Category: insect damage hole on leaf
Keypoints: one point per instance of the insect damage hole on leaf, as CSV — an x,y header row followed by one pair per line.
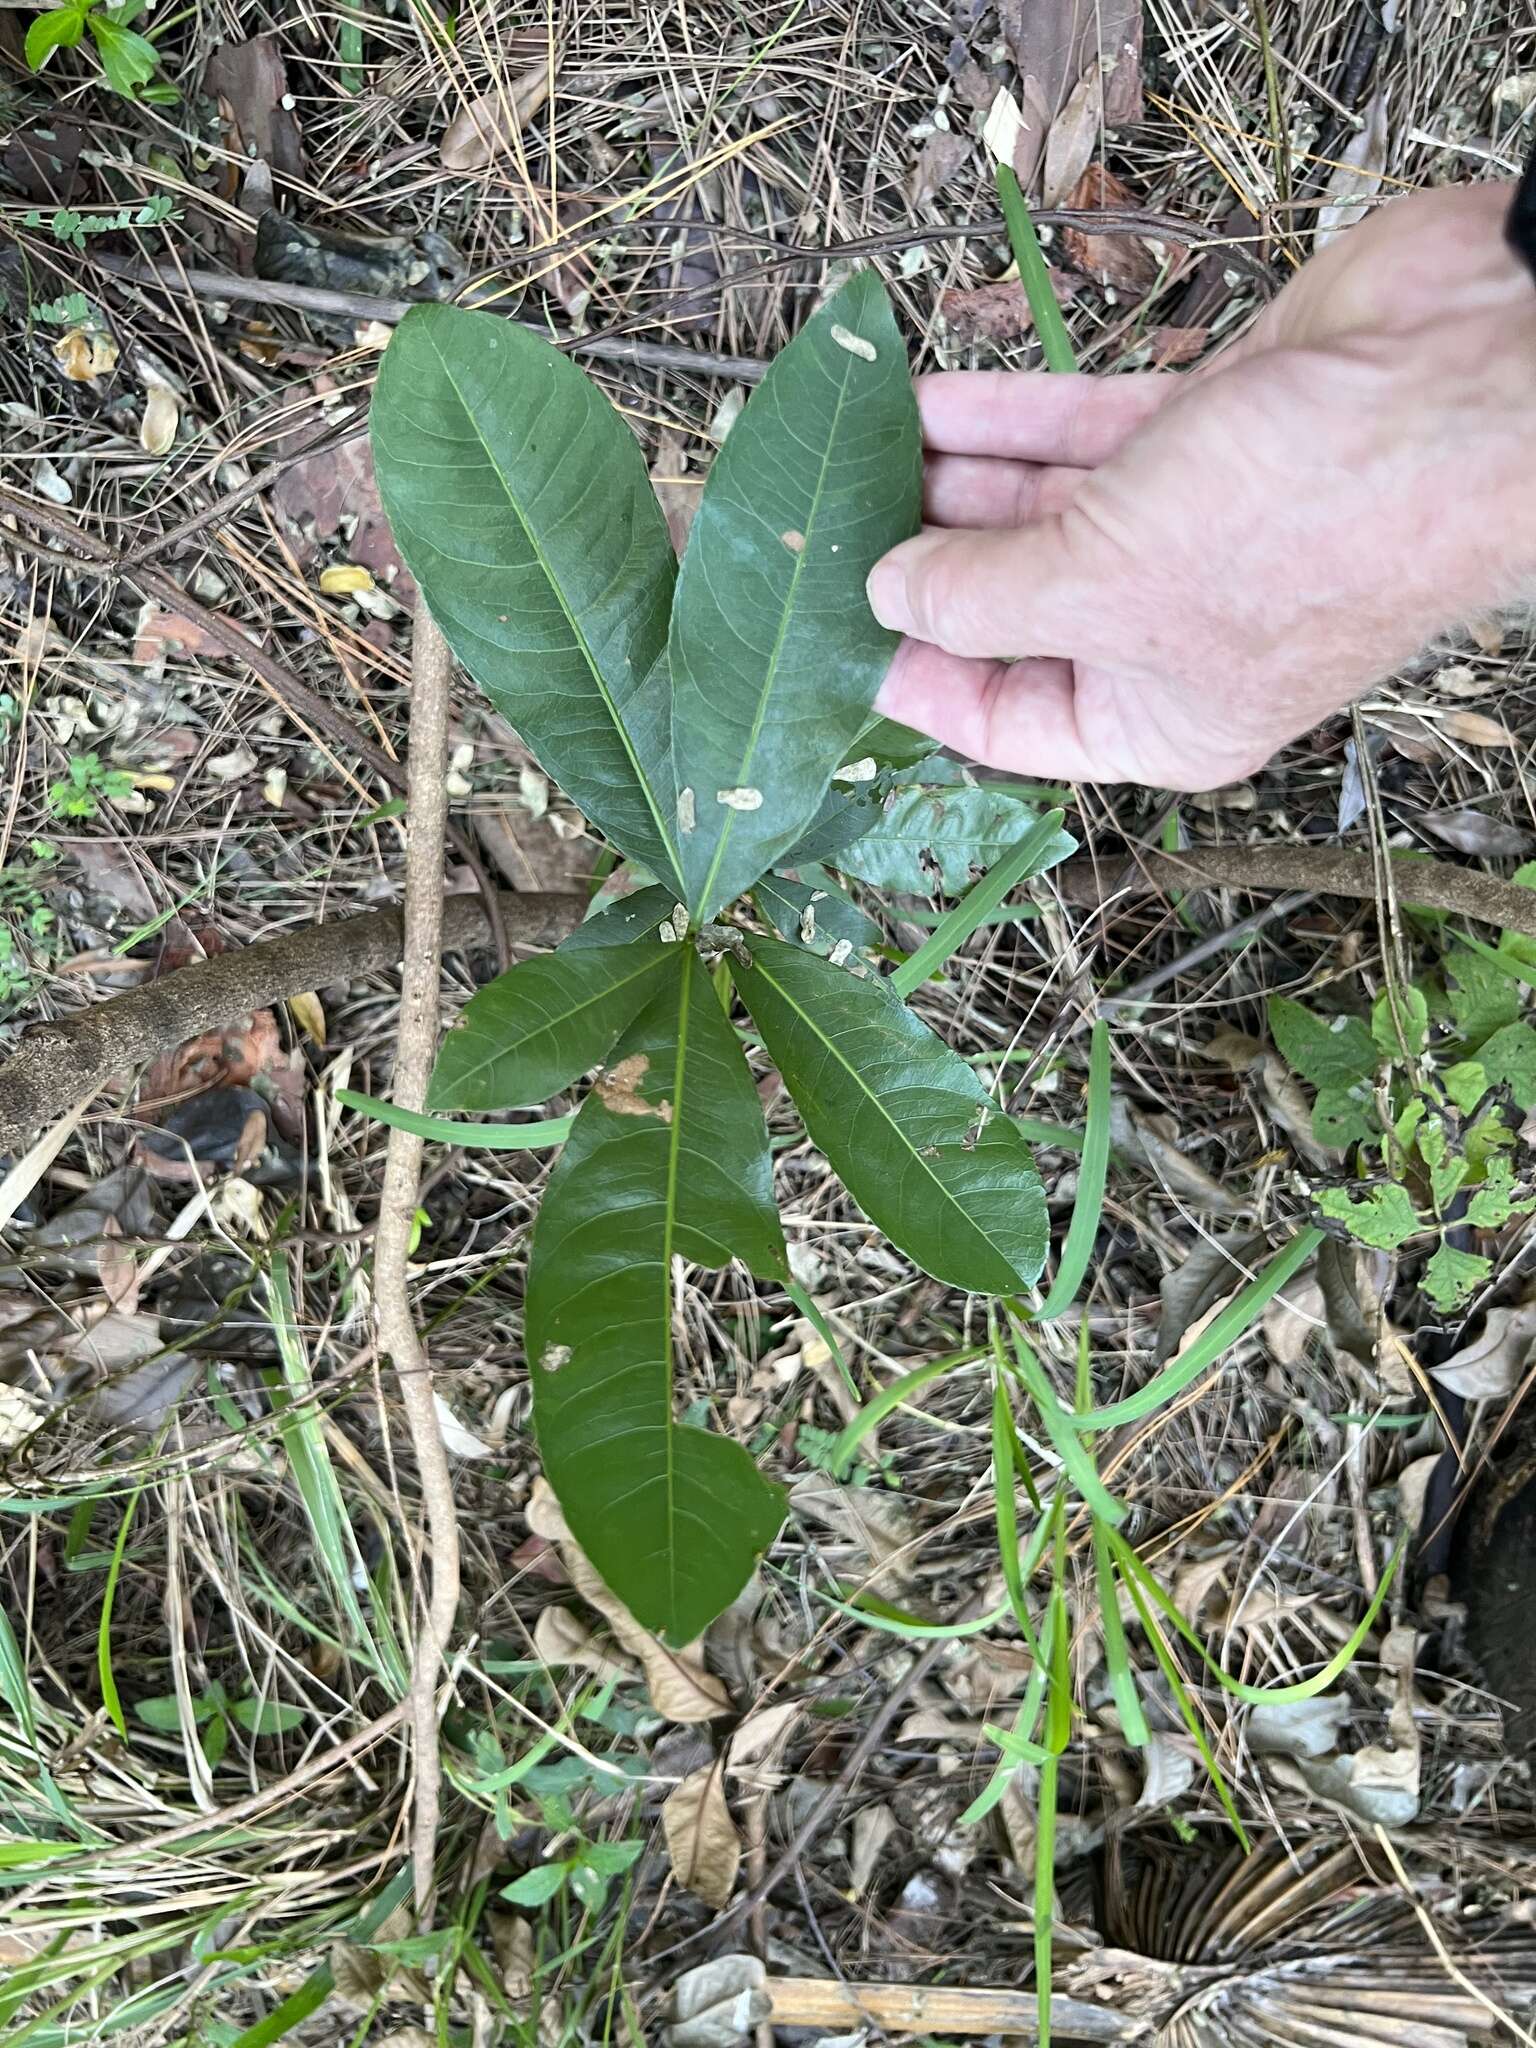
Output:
x,y
855,344
619,1088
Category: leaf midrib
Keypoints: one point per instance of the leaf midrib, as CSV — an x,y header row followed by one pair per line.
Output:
x,y
570,618
771,674
910,1149
674,1154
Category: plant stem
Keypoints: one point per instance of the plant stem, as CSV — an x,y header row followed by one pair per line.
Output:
x,y
1034,274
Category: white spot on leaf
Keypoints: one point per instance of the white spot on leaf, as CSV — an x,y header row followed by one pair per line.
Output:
x,y
553,1356
685,811
794,540
740,799
858,771
619,1089
855,344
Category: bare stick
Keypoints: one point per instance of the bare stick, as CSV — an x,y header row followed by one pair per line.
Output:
x,y
57,1063
415,1050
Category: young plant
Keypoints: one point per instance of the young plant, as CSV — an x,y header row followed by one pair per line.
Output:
x,y
700,716
213,1711
129,61
87,781
1427,1098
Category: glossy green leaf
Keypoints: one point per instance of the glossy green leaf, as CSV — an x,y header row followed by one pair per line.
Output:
x,y
844,815
521,504
934,841
890,744
630,917
543,1024
776,656
814,911
668,1159
905,1123
1383,1216
59,29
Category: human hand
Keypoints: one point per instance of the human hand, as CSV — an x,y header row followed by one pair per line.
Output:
x,y
1191,571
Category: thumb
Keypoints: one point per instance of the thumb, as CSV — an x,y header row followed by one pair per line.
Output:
x,y
1010,592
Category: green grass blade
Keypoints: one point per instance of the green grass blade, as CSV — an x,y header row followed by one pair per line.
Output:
x,y
109,1693
874,1412
1186,1707
1091,1175
891,1621
1034,273
1063,1431
824,1330
1041,847
1262,1695
1239,1316
1122,1680
552,1130
1045,1891
1004,1481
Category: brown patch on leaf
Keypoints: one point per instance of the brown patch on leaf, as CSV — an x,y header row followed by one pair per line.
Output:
x,y
619,1089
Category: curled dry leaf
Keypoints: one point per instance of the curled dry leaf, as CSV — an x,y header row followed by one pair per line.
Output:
x,y
718,2004
1296,1315
680,1688
998,312
1473,831
1125,261
937,162
1151,1140
84,354
762,1734
873,1827
701,1837
1170,1771
162,416
488,127
1074,135
561,1637
1495,1361
877,1524
1475,729
1357,179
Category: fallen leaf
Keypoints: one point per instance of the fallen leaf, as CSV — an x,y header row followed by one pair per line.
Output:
x,y
680,1688
876,1523
676,493
249,82
937,162
1494,1362
762,1733
1169,1773
1151,1140
1298,1728
1413,1484
488,127
718,2004
1214,1269
458,1441
20,1414
561,1639
1357,177
998,312
308,1013
162,416
1475,729
701,1837
1291,1107
1073,135
1459,679
343,578
1473,831
1196,1580
84,354
1125,261
1053,43
316,492
1005,130
516,1955
1294,1317
1172,346
872,1828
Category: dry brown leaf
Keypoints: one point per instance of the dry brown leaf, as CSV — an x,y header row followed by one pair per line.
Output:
x,y
308,1012
1291,1107
680,1688
250,84
1053,43
162,416
1473,831
488,127
1460,679
1296,1315
1357,178
84,354
512,1939
1152,1140
763,1733
876,1523
1494,1363
998,312
718,2004
873,1827
1475,729
1074,135
676,492
1196,1580
560,1638
937,162
1171,347
1170,1771
701,1837
1234,1050
1125,261
1413,1489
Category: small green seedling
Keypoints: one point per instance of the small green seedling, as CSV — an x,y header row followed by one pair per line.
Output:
x,y
213,1711
87,782
1426,1099
713,720
129,61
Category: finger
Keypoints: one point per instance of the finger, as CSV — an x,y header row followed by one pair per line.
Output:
x,y
1018,592
1018,715
1039,416
972,490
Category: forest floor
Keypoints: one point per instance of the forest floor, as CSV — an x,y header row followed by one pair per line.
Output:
x,y
211,1537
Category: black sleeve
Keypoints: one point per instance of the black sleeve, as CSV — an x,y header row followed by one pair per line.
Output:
x,y
1521,226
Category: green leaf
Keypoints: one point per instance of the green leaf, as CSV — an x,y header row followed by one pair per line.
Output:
x,y
776,656
668,1158
1399,1016
1384,1216
1508,1058
543,1024
1482,998
538,1886
1344,1116
59,29
441,1130
1466,1083
214,1741
162,1714
845,814
1498,1200
266,1717
814,911
890,744
128,59
612,1859
1330,1052
1451,1276
909,1129
930,841
521,504
630,917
